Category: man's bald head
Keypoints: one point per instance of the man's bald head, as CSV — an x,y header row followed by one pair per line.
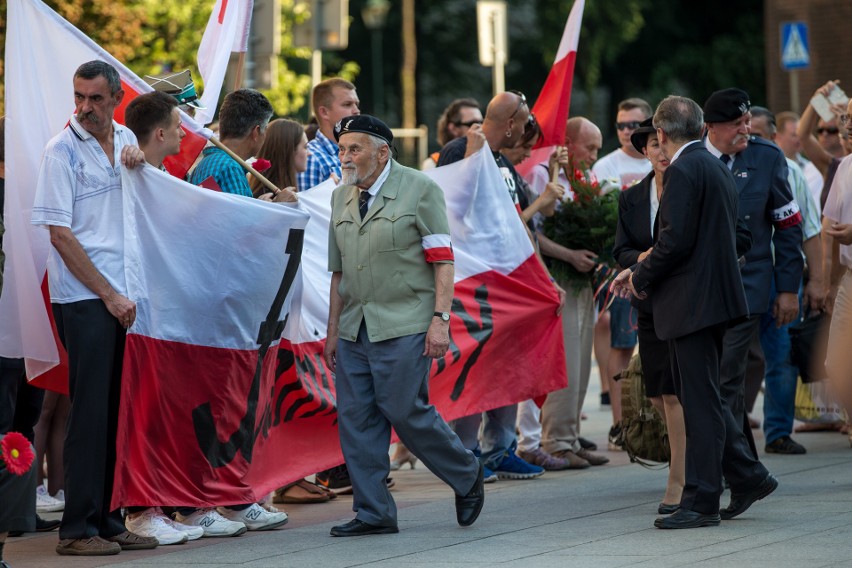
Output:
x,y
583,140
505,118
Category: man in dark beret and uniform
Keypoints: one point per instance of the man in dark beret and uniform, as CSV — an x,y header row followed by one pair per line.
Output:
x,y
768,209
391,261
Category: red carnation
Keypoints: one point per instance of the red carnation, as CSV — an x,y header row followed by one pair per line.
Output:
x,y
16,451
261,165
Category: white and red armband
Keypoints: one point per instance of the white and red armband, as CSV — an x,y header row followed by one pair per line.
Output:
x,y
786,216
437,248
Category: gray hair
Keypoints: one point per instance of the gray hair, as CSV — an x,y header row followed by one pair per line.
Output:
x,y
680,118
241,111
759,111
97,68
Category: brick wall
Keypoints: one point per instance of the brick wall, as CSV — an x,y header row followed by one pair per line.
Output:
x,y
830,44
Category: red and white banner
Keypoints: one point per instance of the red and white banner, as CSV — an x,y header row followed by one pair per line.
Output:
x,y
227,32
212,276
39,102
506,346
554,101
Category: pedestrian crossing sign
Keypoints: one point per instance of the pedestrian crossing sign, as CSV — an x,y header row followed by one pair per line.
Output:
x,y
794,46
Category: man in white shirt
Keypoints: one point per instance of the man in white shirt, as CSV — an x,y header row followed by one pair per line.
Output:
x,y
788,140
79,199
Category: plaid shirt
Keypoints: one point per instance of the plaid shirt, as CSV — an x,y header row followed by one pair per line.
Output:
x,y
322,162
227,172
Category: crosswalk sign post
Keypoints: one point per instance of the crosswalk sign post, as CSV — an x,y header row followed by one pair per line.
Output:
x,y
795,55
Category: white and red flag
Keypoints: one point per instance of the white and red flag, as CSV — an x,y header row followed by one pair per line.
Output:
x,y
554,101
227,32
212,276
39,102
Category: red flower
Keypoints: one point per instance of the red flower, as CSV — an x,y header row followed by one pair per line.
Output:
x,y
17,453
261,165
578,175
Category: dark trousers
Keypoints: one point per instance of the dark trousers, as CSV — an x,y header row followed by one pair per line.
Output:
x,y
94,340
20,403
741,466
695,365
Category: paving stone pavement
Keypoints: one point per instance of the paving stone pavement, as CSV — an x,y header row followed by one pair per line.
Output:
x,y
601,517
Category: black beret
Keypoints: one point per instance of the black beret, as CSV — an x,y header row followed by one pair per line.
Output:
x,y
725,105
639,138
366,124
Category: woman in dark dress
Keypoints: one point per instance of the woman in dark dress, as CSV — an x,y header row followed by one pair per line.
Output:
x,y
634,238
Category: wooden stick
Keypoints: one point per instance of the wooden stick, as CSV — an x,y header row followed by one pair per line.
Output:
x,y
268,184
238,79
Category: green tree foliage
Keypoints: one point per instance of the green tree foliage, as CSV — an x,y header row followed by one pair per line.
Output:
x,y
150,36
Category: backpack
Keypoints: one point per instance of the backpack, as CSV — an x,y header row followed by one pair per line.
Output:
x,y
643,431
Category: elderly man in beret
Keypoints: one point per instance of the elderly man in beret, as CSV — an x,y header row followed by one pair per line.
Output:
x,y
768,209
391,261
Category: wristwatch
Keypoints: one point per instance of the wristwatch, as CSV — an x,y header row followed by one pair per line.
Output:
x,y
443,315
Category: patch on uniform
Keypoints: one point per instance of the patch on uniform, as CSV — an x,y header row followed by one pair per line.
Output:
x,y
787,216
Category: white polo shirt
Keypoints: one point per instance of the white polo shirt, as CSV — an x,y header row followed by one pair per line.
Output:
x,y
79,189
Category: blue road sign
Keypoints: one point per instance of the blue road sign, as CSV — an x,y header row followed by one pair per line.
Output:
x,y
794,46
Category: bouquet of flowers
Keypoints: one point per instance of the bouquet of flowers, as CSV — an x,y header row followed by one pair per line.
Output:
x,y
587,222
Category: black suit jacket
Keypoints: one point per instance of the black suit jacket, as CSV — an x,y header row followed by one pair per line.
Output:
x,y
692,275
634,233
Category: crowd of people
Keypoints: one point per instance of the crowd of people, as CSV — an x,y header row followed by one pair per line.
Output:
x,y
734,223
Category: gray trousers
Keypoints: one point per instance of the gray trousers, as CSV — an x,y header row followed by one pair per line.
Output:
x,y
382,385
560,415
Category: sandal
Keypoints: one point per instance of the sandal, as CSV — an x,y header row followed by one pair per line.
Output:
x,y
301,492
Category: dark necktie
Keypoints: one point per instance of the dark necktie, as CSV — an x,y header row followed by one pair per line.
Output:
x,y
726,159
363,198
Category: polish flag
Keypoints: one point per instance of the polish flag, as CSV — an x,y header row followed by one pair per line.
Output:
x,y
212,276
39,102
554,101
227,32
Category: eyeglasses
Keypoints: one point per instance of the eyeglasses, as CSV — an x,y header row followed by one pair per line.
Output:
x,y
521,102
629,125
832,130
843,119
469,123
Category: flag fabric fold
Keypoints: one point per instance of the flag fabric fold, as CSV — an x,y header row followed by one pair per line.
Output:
x,y
554,101
227,32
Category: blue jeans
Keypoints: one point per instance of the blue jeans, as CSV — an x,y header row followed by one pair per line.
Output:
x,y
498,433
780,382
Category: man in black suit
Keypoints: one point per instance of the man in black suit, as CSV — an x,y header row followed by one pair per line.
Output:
x,y
693,280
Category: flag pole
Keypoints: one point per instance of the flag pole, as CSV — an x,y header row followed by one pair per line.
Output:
x,y
238,79
268,184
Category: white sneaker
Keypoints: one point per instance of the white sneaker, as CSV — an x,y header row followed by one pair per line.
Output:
x,y
212,523
152,523
45,503
60,496
191,532
255,518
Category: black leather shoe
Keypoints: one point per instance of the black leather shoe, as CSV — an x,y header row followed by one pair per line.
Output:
x,y
686,519
666,509
469,506
740,502
785,445
587,444
41,525
360,528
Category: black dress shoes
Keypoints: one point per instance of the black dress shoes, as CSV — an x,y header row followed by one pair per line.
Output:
x,y
686,519
41,525
667,509
740,502
360,528
469,506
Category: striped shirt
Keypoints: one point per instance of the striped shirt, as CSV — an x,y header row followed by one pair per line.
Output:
x,y
322,162
226,171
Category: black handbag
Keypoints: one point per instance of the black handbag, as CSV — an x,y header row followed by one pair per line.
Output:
x,y
808,338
